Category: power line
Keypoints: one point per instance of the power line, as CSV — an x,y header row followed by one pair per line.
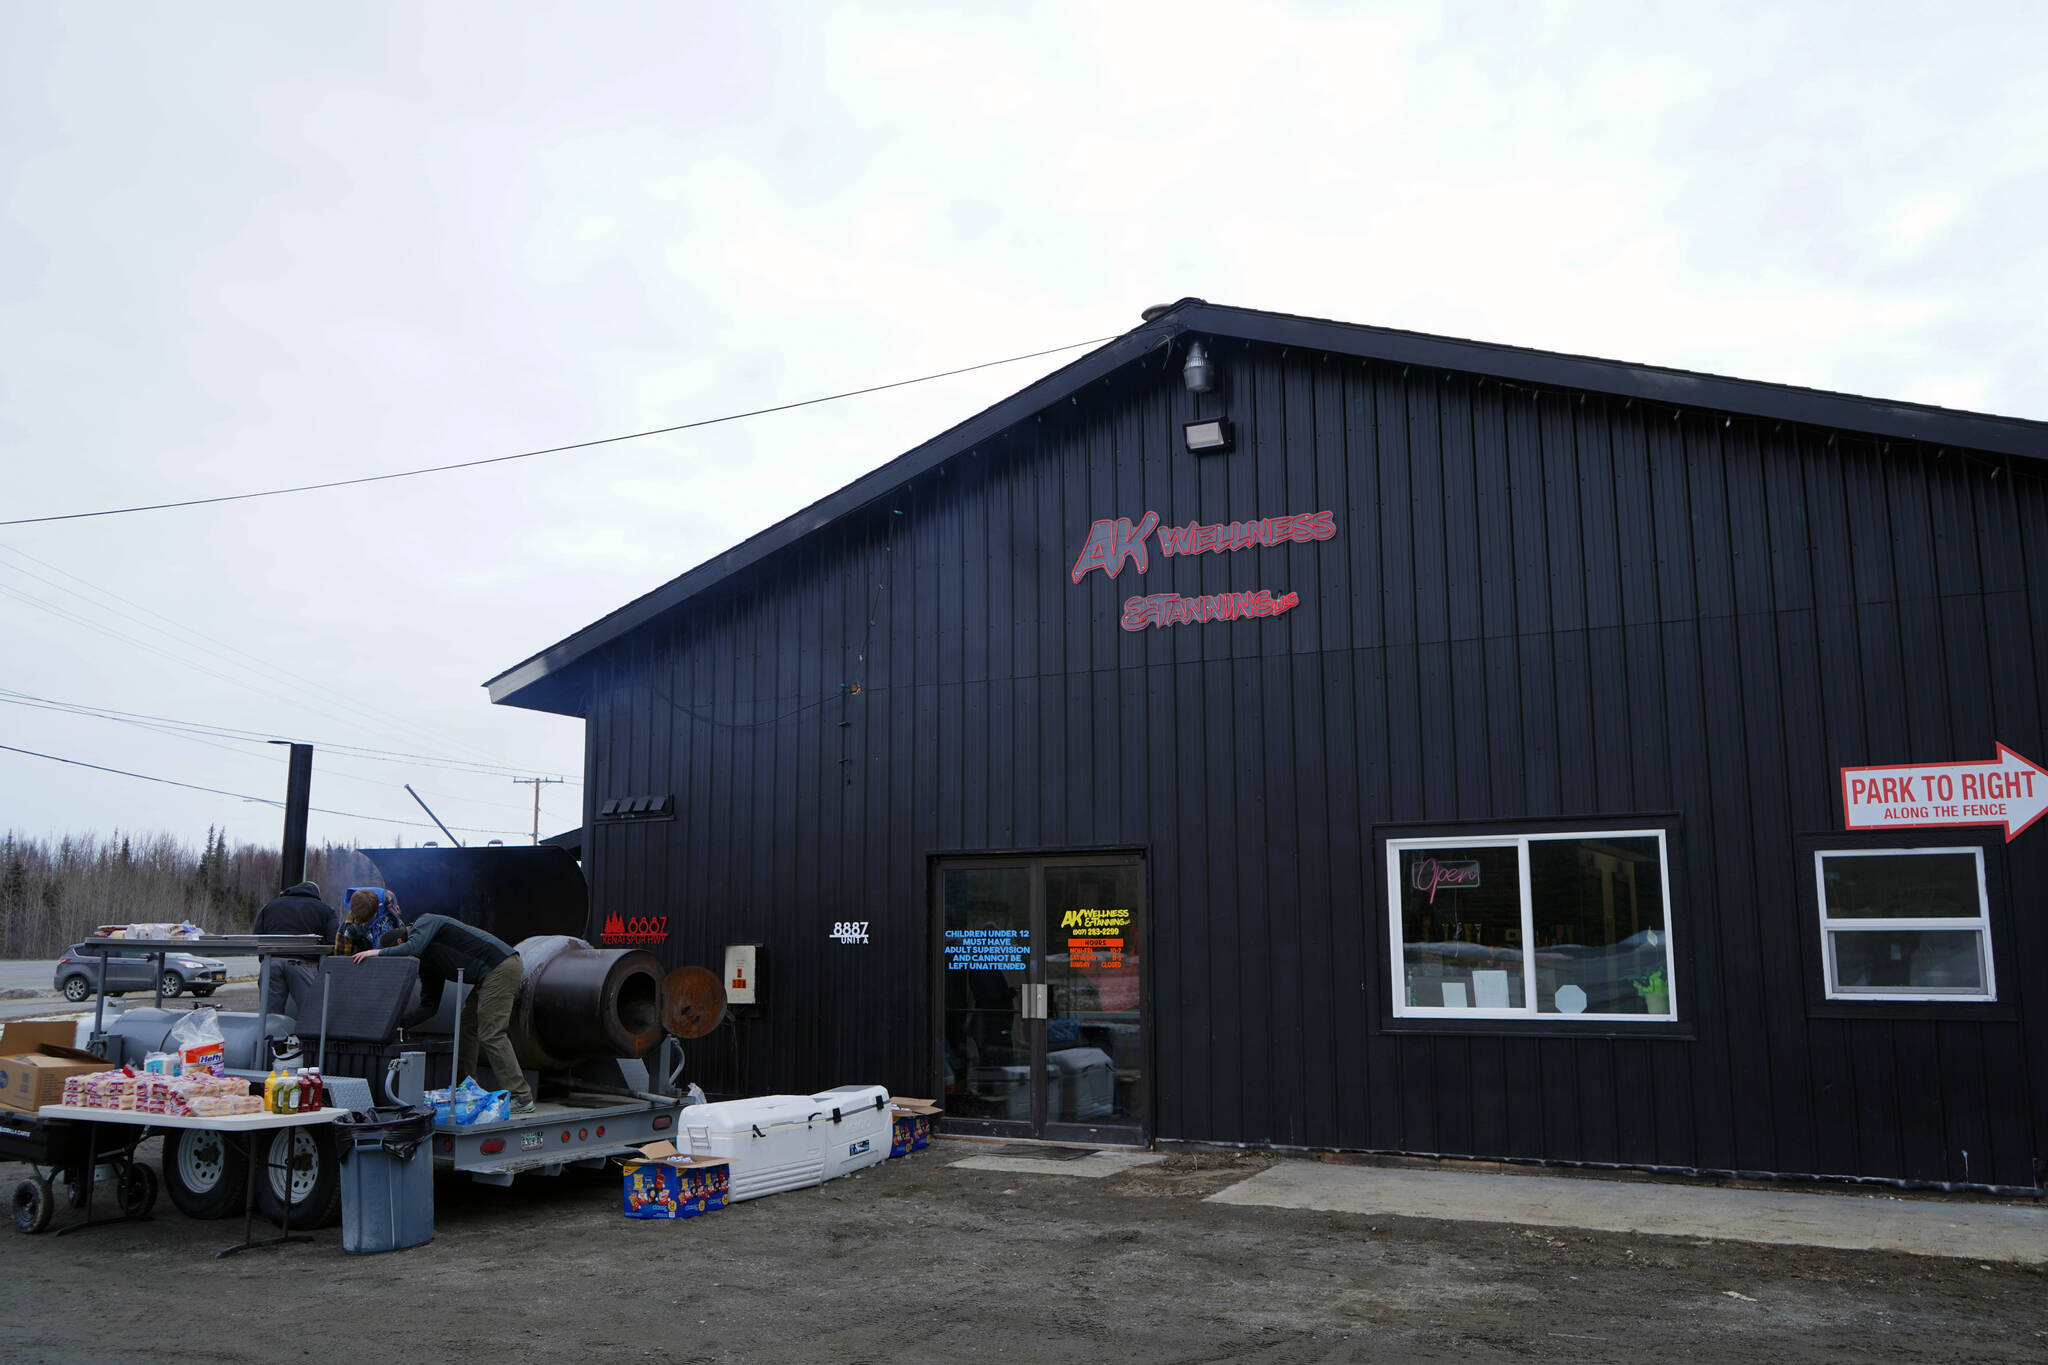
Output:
x,y
243,796
548,450
194,735
99,628
241,682
11,697
182,633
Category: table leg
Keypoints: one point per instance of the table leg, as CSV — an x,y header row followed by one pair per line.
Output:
x,y
248,1242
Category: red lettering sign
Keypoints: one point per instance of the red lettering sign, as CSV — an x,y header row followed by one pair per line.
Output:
x,y
2009,790
1171,609
1110,544
641,931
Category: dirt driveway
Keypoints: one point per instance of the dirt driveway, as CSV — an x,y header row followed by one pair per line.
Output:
x,y
920,1261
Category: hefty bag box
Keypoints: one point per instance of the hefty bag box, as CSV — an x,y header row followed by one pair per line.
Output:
x,y
910,1125
35,1061
663,1183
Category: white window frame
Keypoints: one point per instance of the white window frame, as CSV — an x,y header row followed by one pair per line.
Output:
x,y
1528,1011
1831,925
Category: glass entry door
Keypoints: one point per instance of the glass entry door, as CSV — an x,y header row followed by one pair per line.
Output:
x,y
1042,1021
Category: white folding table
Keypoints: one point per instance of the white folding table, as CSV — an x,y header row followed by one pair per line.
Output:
x,y
249,1125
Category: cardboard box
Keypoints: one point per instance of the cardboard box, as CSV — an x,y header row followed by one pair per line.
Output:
x,y
910,1125
663,1183
35,1060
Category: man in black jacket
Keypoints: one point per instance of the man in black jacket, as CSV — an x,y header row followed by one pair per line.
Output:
x,y
299,910
445,946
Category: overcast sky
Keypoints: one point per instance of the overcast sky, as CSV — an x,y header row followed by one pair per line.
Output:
x,y
248,245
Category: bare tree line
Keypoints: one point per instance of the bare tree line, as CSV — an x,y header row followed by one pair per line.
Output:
x,y
53,894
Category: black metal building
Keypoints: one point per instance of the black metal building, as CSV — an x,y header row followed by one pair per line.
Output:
x,y
1457,757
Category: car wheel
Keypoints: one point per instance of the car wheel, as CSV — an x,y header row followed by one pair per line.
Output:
x,y
204,1173
138,1190
173,983
33,1204
76,989
304,1161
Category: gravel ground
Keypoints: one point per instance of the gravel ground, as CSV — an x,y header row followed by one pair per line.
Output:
x,y
918,1261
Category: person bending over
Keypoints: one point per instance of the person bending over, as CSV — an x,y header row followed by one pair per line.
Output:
x,y
445,946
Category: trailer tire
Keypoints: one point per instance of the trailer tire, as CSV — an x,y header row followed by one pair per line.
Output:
x,y
204,1173
33,1204
138,1190
305,1158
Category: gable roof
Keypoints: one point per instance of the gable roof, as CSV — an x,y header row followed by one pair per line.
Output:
x,y
518,685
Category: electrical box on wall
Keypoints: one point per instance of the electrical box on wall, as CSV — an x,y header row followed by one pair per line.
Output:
x,y
743,974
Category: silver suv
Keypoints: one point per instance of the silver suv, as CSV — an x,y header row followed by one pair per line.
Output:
x,y
131,969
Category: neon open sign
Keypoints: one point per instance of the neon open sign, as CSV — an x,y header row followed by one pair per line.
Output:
x,y
1431,873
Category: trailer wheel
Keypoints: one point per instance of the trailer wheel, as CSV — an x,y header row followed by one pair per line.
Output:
x,y
204,1173
138,1190
33,1205
302,1160
76,989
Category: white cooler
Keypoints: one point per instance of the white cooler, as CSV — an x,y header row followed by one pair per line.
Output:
x,y
785,1142
861,1129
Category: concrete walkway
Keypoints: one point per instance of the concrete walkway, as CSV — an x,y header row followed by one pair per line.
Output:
x,y
1852,1222
1093,1166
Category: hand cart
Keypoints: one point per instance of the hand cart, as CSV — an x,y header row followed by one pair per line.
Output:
x,y
71,1152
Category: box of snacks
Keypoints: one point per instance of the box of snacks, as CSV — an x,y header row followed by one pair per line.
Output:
x,y
36,1059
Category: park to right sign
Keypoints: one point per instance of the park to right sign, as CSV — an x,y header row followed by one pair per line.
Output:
x,y
2007,790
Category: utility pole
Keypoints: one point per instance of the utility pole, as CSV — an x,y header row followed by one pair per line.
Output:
x,y
536,783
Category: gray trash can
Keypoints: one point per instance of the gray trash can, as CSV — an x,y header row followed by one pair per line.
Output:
x,y
387,1178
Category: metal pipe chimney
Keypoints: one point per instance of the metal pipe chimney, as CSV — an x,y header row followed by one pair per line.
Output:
x,y
298,798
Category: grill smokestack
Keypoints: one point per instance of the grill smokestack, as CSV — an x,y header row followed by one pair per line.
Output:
x,y
298,799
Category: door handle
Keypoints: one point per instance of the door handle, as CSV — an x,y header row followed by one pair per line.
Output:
x,y
1034,1002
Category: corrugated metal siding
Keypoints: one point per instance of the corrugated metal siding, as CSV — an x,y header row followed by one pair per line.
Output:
x,y
1536,604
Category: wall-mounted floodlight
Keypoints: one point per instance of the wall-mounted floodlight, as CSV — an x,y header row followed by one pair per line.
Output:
x,y
1209,436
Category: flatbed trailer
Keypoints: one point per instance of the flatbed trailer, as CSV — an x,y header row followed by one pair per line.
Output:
x,y
583,1128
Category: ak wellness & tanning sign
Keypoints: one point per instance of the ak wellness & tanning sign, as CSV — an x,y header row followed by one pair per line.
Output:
x,y
1113,544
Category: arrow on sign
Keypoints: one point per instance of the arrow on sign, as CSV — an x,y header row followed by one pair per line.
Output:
x,y
2008,790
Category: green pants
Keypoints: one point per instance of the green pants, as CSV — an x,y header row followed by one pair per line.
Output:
x,y
486,1022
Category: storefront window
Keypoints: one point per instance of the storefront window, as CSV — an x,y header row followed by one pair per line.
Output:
x,y
1551,925
1905,924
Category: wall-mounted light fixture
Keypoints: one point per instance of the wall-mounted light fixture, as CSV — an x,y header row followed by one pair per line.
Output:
x,y
1209,436
1198,374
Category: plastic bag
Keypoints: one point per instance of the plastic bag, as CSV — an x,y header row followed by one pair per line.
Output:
x,y
471,1103
199,1043
398,1130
